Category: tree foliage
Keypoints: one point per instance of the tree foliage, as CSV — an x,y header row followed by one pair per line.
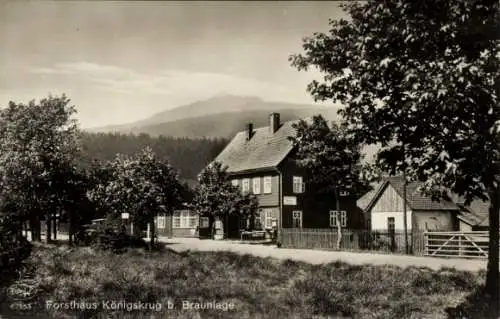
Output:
x,y
38,144
215,195
421,78
332,157
142,185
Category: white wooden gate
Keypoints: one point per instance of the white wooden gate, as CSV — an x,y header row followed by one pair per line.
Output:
x,y
472,244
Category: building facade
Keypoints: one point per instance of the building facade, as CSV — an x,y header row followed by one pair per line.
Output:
x,y
182,223
384,208
262,161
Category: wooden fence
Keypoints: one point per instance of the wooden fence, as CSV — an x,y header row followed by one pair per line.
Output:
x,y
472,244
353,240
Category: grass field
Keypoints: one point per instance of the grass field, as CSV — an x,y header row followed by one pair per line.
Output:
x,y
70,279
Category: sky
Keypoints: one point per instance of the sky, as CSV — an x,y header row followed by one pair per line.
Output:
x,y
120,62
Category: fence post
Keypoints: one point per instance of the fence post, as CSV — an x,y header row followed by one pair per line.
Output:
x,y
459,245
426,243
324,244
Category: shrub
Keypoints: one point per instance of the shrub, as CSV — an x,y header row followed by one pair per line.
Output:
x,y
109,236
12,253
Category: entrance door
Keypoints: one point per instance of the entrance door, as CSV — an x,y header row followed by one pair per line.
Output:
x,y
391,227
232,226
204,230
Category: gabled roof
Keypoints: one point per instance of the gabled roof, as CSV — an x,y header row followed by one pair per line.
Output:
x,y
263,151
476,213
415,199
365,200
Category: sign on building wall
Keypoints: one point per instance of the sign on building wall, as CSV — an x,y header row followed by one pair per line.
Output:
x,y
290,200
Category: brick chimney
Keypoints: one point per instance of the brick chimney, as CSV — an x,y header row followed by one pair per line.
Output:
x,y
249,130
274,122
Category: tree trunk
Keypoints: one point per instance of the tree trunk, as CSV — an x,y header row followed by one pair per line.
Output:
x,y
25,225
492,276
38,228
70,227
152,232
339,226
226,226
32,222
211,223
54,226
20,229
252,221
48,230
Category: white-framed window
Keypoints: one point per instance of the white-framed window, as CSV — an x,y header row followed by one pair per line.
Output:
x,y
268,181
297,219
245,186
204,222
298,185
342,216
256,185
193,220
234,182
160,222
176,220
268,218
185,219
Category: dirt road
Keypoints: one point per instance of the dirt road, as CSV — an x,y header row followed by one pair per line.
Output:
x,y
319,257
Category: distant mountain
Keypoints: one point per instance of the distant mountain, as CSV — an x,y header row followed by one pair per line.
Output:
x,y
222,116
202,110
223,124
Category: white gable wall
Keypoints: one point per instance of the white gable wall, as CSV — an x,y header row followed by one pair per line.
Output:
x,y
379,220
390,204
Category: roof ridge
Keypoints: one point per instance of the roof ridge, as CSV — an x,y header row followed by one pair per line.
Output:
x,y
265,150
267,126
414,197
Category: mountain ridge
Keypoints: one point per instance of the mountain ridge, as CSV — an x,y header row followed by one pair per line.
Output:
x,y
215,105
222,120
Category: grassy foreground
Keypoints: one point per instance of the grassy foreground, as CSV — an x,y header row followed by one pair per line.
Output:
x,y
60,281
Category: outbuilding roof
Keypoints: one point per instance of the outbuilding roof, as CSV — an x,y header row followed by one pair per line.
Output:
x,y
415,199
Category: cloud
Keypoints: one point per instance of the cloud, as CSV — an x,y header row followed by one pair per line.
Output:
x,y
83,68
109,94
105,77
176,83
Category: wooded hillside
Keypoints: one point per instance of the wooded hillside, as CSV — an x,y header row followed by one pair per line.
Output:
x,y
190,156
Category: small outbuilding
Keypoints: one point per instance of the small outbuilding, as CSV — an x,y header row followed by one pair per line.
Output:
x,y
383,208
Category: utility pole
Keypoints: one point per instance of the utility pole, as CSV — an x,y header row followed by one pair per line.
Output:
x,y
405,217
